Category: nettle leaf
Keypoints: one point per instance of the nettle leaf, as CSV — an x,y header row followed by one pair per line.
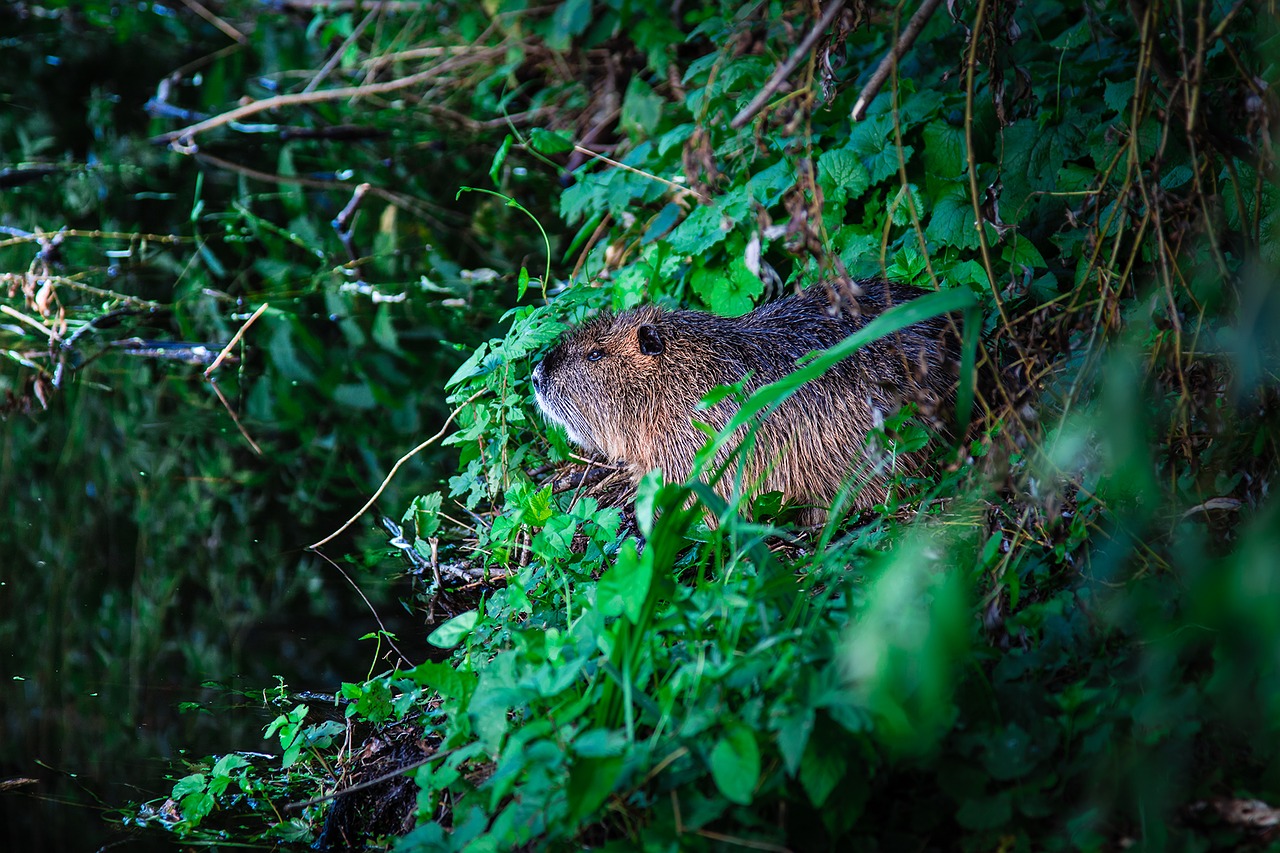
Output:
x,y
842,176
944,153
767,186
732,292
735,764
700,230
641,109
951,222
903,201
1033,156
1118,95
872,139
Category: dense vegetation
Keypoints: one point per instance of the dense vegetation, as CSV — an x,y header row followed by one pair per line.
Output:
x,y
1063,635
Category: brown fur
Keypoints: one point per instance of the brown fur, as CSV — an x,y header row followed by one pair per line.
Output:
x,y
636,400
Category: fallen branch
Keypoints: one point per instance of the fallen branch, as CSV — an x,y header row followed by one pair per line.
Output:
x,y
905,40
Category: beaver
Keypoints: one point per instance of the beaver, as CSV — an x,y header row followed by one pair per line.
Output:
x,y
627,386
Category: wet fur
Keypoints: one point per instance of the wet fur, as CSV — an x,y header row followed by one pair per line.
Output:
x,y
637,405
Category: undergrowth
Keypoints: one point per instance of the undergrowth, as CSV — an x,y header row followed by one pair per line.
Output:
x,y
1063,637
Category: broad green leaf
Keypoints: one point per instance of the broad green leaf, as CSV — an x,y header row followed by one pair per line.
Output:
x,y
454,631
735,764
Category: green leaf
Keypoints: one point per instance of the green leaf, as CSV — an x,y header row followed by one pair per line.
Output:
x,y
951,222
842,176
229,762
793,737
641,109
944,150
591,781
735,764
624,588
188,785
454,631
425,513
547,142
500,157
985,812
820,772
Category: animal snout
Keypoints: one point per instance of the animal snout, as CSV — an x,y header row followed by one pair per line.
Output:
x,y
538,374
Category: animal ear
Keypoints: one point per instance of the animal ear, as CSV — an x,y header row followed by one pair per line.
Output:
x,y
650,340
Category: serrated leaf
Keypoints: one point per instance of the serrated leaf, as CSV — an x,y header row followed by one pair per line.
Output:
x,y
951,222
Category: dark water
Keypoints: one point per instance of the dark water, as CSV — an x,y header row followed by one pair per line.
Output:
x,y
147,551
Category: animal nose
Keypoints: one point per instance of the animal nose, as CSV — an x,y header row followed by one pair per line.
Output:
x,y
537,376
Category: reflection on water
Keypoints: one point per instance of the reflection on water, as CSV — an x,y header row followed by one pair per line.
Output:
x,y
147,549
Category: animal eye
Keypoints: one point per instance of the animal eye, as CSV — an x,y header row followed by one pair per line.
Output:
x,y
595,355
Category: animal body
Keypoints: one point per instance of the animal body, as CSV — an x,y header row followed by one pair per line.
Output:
x,y
627,386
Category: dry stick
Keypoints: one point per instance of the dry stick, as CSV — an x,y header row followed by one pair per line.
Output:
x,y
227,30
784,70
226,404
972,168
208,374
235,339
396,467
272,103
49,333
368,783
649,175
328,67
905,40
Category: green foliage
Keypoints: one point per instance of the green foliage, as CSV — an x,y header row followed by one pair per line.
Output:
x,y
1062,638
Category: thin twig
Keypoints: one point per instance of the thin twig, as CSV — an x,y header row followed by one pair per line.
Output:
x,y
187,133
905,40
49,333
396,467
235,339
784,70
650,175
227,30
289,807
385,633
226,404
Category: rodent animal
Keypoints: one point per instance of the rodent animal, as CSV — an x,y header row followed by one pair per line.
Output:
x,y
626,386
